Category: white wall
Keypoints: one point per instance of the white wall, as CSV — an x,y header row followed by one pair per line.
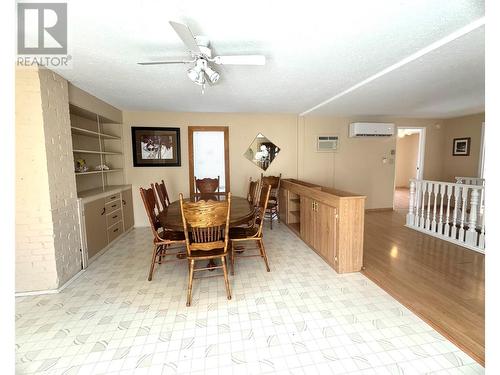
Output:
x,y
47,238
280,129
357,165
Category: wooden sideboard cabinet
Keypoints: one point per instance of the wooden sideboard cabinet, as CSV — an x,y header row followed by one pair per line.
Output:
x,y
105,216
330,221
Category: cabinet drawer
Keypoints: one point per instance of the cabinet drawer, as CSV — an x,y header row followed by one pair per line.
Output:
x,y
113,206
114,218
115,231
113,197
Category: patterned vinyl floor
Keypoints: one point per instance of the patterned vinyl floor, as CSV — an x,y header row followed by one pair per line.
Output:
x,y
301,318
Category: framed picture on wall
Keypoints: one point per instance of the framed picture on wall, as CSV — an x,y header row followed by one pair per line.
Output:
x,y
461,146
156,146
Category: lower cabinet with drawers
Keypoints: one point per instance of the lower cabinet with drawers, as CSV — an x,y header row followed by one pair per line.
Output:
x,y
104,217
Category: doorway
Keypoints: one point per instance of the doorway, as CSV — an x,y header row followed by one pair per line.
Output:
x,y
209,155
410,148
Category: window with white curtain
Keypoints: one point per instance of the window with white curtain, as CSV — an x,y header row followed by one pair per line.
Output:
x,y
208,155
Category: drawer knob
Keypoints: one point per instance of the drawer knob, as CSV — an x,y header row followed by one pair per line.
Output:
x,y
114,217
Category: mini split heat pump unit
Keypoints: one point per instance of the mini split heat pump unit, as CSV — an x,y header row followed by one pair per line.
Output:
x,y
371,129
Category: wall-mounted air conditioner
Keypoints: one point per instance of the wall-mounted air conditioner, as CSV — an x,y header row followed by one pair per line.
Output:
x,y
327,143
371,129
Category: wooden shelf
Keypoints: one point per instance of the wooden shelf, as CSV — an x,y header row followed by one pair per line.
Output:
x,y
95,172
295,200
295,227
90,133
295,213
96,152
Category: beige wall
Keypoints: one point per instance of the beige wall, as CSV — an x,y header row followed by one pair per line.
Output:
x,y
280,129
357,166
406,159
47,238
462,127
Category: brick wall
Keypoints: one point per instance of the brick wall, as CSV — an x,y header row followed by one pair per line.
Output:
x,y
62,184
47,242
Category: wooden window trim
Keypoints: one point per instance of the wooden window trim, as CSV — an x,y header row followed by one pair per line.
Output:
x,y
191,130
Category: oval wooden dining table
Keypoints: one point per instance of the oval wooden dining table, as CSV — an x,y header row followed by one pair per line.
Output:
x,y
241,212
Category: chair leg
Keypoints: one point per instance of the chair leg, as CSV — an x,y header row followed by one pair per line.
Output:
x,y
226,279
263,253
153,259
232,258
190,282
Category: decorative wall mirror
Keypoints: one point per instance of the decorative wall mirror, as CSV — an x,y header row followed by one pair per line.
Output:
x,y
262,152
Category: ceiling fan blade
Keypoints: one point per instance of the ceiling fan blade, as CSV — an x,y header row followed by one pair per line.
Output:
x,y
240,60
186,36
166,62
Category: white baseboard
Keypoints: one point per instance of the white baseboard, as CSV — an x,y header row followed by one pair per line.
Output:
x,y
50,291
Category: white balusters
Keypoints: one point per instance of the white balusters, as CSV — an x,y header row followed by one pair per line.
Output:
x,y
456,193
436,192
471,235
417,202
451,211
449,190
461,232
421,222
410,216
430,185
442,191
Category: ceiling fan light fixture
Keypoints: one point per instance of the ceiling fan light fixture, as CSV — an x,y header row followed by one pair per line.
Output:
x,y
212,75
196,74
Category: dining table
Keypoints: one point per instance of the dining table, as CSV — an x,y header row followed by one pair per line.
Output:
x,y
242,212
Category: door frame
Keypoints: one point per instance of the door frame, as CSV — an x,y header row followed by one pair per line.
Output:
x,y
191,130
421,150
420,157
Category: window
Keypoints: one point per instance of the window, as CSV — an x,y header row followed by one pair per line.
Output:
x,y
209,155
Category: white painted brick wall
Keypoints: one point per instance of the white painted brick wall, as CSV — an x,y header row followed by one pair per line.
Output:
x,y
35,256
47,237
62,184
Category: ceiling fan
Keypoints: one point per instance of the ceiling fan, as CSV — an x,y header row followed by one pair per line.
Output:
x,y
201,57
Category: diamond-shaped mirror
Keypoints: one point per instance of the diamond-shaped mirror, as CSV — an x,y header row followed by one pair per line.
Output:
x,y
262,152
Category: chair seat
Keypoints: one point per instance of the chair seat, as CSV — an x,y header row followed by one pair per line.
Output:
x,y
171,235
242,232
206,254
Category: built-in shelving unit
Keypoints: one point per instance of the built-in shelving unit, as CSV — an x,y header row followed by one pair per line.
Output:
x,y
90,133
97,140
98,172
96,152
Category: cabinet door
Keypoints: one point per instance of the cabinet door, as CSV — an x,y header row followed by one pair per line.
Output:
x,y
128,209
306,220
95,226
283,205
325,231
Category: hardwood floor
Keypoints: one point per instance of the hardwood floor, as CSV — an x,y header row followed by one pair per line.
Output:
x,y
441,282
401,198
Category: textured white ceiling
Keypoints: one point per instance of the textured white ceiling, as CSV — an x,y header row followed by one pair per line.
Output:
x,y
314,50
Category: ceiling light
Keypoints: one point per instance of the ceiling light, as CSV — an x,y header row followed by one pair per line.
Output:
x,y
213,76
196,74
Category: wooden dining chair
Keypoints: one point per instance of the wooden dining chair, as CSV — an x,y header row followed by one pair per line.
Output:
x,y
206,228
162,239
272,208
253,188
207,185
252,233
162,194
